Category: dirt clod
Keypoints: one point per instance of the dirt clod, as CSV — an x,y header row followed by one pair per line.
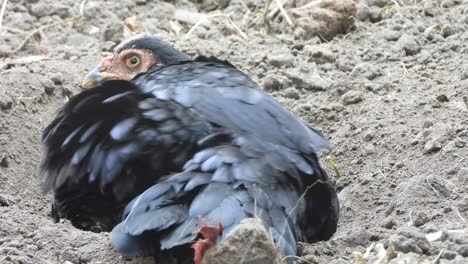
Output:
x,y
248,243
409,45
279,60
5,102
374,14
352,97
4,162
292,93
325,18
442,98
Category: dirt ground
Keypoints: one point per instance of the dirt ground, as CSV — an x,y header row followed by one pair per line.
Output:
x,y
391,94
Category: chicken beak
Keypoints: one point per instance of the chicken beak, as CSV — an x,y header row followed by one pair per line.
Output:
x,y
92,78
99,74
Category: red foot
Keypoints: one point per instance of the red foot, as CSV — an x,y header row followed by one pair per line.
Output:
x,y
210,234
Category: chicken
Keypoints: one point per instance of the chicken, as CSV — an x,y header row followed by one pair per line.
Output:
x,y
209,142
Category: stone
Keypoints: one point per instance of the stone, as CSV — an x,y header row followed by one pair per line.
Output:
x,y
319,54
391,35
374,14
447,3
424,57
409,45
427,124
442,98
358,237
325,19
362,12
42,9
409,240
463,205
352,97
432,146
5,50
311,82
388,223
4,162
368,136
284,59
367,71
271,83
5,102
113,32
419,219
48,86
247,243
292,93
379,3
5,200
447,31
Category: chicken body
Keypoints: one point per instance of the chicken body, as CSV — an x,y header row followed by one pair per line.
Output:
x,y
209,142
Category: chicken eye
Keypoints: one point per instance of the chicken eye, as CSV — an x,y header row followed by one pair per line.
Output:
x,y
133,61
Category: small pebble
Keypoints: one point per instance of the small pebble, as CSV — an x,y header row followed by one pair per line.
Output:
x,y
42,9
368,136
271,83
463,250
442,98
447,3
113,32
463,205
388,223
447,31
5,50
5,201
362,12
432,146
420,218
391,35
374,14
379,3
319,54
285,59
409,45
292,93
453,170
108,46
449,254
409,240
48,86
5,102
338,107
367,71
352,97
447,210
424,57
427,124
4,162
310,82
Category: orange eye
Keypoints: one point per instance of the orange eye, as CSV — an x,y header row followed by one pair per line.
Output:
x,y
133,61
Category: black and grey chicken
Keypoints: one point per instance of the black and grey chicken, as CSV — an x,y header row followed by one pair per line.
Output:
x,y
185,139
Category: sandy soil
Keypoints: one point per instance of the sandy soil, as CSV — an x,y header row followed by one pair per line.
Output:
x,y
391,95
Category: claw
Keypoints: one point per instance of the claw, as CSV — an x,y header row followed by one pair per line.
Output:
x,y
210,235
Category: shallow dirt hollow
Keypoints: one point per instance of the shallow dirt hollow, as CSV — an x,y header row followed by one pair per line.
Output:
x,y
391,94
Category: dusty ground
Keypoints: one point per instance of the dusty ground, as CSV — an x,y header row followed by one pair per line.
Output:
x,y
391,95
